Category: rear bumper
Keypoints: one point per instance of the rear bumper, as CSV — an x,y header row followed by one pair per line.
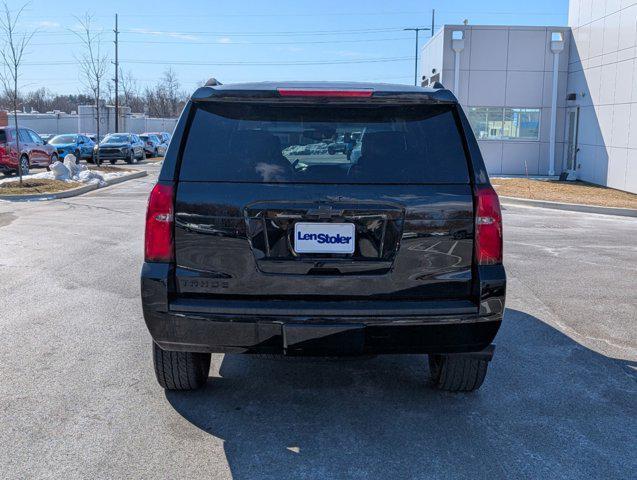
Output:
x,y
318,328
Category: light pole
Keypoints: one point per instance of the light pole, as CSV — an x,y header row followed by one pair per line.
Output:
x,y
417,30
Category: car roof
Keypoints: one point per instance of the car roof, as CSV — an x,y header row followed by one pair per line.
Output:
x,y
263,90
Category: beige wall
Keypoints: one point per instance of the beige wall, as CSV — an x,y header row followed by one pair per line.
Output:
x,y
506,66
603,74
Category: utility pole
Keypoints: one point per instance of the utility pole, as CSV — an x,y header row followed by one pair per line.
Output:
x,y
433,20
417,30
116,79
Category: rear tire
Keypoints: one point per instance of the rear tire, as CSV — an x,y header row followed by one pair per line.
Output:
x,y
25,164
180,370
113,161
457,373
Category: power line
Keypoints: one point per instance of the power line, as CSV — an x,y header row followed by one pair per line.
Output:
x,y
241,15
301,42
267,63
317,13
156,61
235,43
300,33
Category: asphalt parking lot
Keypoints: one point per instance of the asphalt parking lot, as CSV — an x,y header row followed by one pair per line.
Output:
x,y
78,397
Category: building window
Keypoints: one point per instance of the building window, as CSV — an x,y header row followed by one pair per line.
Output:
x,y
522,123
486,122
497,123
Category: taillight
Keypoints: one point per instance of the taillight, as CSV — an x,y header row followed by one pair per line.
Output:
x,y
325,92
158,244
488,227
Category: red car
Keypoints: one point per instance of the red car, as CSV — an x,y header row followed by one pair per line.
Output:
x,y
33,151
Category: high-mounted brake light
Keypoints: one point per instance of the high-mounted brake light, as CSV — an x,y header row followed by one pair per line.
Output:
x,y
488,227
323,92
158,244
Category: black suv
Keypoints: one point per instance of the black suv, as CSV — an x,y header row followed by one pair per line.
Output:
x,y
260,240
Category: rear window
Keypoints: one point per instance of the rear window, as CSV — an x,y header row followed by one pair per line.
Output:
x,y
324,144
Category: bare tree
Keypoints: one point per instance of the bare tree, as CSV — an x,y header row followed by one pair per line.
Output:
x,y
93,64
170,85
165,99
130,95
12,53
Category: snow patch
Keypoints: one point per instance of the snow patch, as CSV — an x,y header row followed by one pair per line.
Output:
x,y
69,171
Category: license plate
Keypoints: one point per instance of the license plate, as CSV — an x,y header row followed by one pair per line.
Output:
x,y
324,237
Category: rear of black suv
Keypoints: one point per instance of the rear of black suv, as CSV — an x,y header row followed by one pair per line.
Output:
x,y
260,239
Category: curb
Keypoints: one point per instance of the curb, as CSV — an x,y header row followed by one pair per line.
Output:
x,y
573,207
74,191
137,174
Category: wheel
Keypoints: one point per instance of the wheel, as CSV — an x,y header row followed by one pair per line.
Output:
x,y
331,151
155,153
24,164
457,373
129,157
113,161
78,156
180,370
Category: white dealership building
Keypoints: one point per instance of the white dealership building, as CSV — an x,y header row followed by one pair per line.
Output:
x,y
544,100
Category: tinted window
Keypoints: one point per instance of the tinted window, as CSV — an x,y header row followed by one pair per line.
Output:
x,y
35,137
381,144
24,136
62,139
3,136
116,139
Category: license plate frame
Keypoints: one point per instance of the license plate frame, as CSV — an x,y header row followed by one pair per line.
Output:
x,y
324,237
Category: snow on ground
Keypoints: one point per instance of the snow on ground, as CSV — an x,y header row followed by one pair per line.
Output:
x,y
69,171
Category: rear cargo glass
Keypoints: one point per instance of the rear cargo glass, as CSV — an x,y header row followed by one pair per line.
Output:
x,y
324,144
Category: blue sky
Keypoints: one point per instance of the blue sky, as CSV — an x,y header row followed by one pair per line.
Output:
x,y
241,40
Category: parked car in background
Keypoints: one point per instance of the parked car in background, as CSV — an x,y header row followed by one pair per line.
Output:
x,y
153,146
163,136
46,136
120,146
79,145
34,152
